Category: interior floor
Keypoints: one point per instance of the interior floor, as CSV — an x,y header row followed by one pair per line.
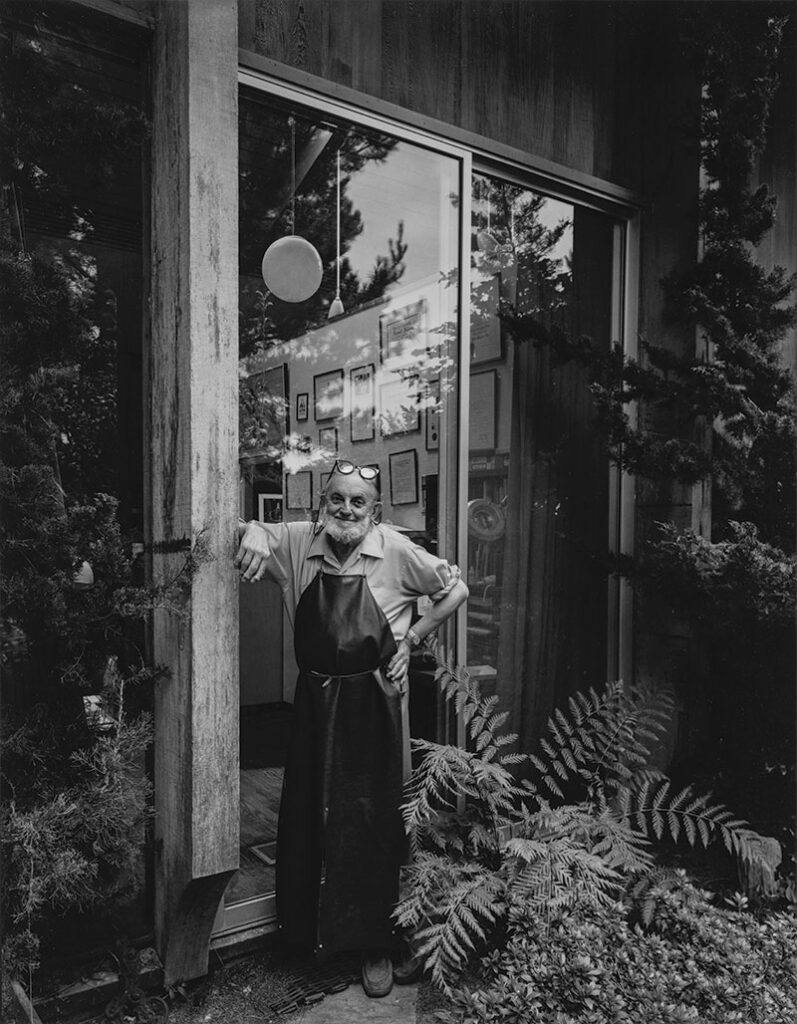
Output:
x,y
260,799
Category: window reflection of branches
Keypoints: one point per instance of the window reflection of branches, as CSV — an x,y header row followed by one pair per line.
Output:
x,y
514,227
266,214
538,497
399,231
269,209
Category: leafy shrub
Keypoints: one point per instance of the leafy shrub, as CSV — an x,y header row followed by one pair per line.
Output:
x,y
593,964
76,847
75,798
487,847
723,412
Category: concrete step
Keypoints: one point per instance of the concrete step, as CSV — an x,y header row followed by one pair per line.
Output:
x,y
353,1006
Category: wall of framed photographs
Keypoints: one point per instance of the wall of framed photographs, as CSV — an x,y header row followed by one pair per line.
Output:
x,y
377,384
371,392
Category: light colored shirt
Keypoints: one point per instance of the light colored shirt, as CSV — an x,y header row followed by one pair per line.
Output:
x,y
397,570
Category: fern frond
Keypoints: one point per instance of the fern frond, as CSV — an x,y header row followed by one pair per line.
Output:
x,y
652,808
605,740
460,919
648,891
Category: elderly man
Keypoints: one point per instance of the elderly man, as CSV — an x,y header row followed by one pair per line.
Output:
x,y
349,586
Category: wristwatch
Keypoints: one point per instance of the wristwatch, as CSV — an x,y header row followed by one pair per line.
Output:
x,y
412,637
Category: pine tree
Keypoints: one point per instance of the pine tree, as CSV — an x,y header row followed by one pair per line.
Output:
x,y
74,799
736,587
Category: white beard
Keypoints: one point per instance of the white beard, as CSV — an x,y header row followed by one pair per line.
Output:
x,y
349,534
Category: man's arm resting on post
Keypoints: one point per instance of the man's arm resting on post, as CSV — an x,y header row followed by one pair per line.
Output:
x,y
434,617
253,551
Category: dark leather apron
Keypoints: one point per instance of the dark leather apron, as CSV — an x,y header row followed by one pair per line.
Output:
x,y
339,816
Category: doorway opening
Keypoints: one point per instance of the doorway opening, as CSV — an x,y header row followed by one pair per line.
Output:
x,y
375,383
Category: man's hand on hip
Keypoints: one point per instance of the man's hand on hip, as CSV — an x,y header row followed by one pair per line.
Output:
x,y
399,664
252,554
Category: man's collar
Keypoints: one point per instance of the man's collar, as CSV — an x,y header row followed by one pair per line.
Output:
x,y
371,545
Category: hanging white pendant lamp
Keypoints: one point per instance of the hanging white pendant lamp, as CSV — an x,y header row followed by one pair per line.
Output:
x,y
336,306
292,268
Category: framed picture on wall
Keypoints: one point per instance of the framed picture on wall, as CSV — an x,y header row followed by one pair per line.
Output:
x,y
269,508
404,477
268,393
485,326
433,416
328,440
328,395
361,380
402,334
399,407
299,491
302,401
482,411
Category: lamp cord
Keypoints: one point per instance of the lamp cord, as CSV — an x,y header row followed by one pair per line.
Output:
x,y
292,123
338,241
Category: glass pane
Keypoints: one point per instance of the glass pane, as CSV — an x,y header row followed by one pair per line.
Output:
x,y
72,265
537,481
371,383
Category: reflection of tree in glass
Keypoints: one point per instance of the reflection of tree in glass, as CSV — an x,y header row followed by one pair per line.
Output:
x,y
509,228
63,147
269,210
262,412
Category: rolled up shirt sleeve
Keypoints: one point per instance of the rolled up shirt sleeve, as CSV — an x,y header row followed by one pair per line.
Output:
x,y
426,575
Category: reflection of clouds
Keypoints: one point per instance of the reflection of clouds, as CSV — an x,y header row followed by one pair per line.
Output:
x,y
407,345
298,455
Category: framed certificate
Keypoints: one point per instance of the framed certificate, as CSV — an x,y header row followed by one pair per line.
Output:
x,y
266,395
328,395
482,411
404,477
399,411
299,491
362,393
402,335
328,440
485,326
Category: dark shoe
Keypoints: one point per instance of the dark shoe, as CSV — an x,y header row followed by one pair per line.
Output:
x,y
407,970
377,974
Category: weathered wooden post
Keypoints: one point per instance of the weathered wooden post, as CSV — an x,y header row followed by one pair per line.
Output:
x,y
192,451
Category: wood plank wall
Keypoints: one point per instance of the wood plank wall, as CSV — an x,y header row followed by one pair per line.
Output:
x,y
193,438
602,87
537,75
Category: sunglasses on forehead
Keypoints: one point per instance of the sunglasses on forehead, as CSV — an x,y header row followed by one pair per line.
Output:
x,y
346,468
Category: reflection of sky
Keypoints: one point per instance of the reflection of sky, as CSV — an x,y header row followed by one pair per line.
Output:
x,y
412,185
551,213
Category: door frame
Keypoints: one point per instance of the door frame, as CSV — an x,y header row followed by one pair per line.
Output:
x,y
475,154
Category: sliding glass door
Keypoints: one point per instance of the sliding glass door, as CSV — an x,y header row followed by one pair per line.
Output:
x,y
359,239
538,479
349,348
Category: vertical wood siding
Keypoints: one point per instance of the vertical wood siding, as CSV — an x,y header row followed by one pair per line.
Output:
x,y
194,480
537,75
